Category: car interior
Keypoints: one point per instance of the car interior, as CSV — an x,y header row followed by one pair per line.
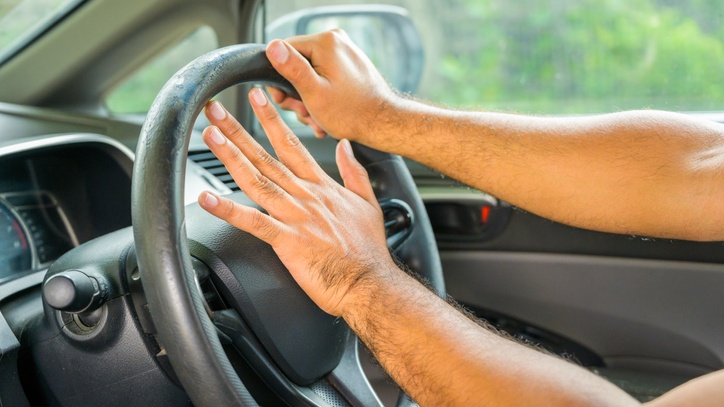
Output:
x,y
116,288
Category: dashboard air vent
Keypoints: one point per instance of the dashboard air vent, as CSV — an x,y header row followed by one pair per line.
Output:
x,y
208,161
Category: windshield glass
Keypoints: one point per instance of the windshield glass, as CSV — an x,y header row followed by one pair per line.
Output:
x,y
564,57
21,21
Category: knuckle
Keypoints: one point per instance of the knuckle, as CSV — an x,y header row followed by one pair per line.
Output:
x,y
293,140
234,129
235,154
266,190
229,210
268,194
297,72
361,171
270,114
262,183
338,34
263,227
331,37
264,158
257,221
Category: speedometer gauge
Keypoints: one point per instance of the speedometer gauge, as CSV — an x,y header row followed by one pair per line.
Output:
x,y
16,252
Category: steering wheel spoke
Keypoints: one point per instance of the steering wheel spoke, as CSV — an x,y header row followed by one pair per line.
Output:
x,y
349,379
232,326
399,221
345,385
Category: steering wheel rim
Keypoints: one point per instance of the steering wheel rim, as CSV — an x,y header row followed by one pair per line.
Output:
x,y
183,328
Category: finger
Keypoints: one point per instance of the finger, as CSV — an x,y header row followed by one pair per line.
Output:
x,y
353,174
231,128
293,66
286,144
311,123
306,44
296,106
277,95
255,185
303,115
318,130
250,220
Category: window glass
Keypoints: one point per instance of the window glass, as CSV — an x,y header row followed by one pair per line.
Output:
x,y
565,57
137,93
23,20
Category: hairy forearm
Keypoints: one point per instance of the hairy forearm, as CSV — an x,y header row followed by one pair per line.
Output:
x,y
646,172
441,357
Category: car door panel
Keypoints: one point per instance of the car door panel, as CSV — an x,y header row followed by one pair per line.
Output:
x,y
620,308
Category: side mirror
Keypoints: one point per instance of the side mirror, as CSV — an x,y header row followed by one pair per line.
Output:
x,y
385,33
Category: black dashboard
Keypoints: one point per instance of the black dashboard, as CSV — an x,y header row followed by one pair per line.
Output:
x,y
65,180
56,193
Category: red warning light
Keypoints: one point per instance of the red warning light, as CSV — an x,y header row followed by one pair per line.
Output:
x,y
485,214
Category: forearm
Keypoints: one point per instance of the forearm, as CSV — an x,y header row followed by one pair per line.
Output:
x,y
440,357
621,173
704,391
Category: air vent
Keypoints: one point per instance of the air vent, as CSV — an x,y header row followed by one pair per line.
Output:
x,y
208,161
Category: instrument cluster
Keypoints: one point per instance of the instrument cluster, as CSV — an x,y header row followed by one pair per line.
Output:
x,y
33,231
56,193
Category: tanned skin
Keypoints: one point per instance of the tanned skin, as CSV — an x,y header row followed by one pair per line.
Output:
x,y
648,173
331,239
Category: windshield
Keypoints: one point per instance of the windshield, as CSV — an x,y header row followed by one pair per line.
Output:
x,y
21,21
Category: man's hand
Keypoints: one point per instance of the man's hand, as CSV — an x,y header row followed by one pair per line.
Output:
x,y
342,92
331,238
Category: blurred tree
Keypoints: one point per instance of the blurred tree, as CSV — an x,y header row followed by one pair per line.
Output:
x,y
585,56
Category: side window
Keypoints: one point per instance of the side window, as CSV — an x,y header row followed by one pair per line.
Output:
x,y
564,57
136,94
21,21
588,56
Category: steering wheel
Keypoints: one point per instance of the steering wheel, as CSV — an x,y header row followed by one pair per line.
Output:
x,y
306,356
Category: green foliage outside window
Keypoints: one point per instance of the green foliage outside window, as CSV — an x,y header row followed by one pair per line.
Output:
x,y
587,56
532,56
136,94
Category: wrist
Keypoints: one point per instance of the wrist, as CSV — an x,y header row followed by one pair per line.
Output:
x,y
402,121
382,120
365,293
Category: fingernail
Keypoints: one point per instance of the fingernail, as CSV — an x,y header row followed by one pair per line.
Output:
x,y
216,136
217,111
258,96
210,200
347,147
279,52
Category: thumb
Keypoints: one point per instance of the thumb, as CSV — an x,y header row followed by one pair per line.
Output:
x,y
353,173
292,66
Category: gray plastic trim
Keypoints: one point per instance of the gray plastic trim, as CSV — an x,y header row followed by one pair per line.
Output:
x,y
456,194
16,285
638,314
12,147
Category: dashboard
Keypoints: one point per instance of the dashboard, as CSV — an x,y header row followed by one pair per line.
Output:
x,y
59,191
56,193
65,180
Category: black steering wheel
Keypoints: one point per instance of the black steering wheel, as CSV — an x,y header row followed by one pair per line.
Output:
x,y
306,356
